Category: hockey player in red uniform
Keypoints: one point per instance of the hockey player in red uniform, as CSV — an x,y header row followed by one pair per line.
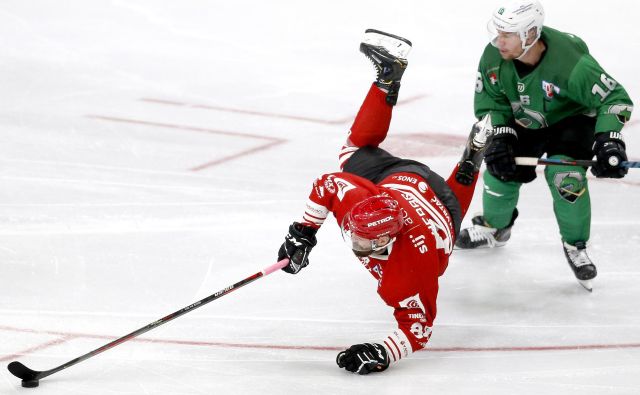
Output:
x,y
400,218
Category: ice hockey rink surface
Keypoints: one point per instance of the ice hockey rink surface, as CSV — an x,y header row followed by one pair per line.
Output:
x,y
155,152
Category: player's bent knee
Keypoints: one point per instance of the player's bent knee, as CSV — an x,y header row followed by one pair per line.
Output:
x,y
569,182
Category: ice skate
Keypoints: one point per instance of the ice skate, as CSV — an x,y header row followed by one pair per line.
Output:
x,y
388,53
582,267
481,235
474,150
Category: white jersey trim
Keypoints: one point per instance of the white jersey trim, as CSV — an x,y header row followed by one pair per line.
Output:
x,y
397,345
345,153
437,216
315,213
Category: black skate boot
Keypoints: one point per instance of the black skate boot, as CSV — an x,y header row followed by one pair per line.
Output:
x,y
474,151
388,53
481,235
582,267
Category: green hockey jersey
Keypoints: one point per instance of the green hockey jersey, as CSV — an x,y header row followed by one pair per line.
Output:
x,y
567,81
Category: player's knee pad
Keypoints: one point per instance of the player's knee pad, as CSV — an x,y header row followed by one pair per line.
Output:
x,y
570,182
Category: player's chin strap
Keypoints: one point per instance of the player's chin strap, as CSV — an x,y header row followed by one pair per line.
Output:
x,y
383,253
525,47
385,249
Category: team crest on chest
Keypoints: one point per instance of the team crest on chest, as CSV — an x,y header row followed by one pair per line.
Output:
x,y
550,90
521,87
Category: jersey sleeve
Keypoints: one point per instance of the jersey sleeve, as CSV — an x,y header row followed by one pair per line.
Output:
x,y
319,202
409,284
592,87
414,315
489,97
412,334
335,193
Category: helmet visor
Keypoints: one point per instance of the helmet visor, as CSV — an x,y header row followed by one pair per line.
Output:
x,y
494,32
362,246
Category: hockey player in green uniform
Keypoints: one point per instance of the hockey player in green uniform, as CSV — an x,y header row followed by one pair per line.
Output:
x,y
544,93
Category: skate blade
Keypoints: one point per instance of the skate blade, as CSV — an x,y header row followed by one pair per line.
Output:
x,y
485,130
497,244
587,284
396,47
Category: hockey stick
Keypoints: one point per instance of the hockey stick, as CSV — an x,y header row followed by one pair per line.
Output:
x,y
532,161
30,378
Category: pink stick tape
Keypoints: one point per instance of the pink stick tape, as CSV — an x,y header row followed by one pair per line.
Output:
x,y
275,266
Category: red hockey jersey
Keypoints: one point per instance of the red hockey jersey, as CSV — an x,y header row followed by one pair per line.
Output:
x,y
408,276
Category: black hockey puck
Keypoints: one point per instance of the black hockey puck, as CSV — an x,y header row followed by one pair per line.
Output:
x,y
30,383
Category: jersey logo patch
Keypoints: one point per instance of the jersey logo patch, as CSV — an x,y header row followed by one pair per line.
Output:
x,y
550,90
412,302
318,188
493,78
329,185
344,186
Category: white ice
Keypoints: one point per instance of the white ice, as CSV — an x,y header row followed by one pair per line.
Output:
x,y
154,152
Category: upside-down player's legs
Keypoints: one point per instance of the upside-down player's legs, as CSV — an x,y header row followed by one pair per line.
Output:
x,y
464,193
372,122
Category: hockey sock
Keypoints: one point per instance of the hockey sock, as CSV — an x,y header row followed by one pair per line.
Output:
x,y
464,193
372,122
499,200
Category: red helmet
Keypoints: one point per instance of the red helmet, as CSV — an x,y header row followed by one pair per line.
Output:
x,y
374,217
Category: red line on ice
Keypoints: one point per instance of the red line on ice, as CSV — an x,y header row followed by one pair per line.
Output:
x,y
270,141
248,112
66,336
236,155
181,127
39,347
338,121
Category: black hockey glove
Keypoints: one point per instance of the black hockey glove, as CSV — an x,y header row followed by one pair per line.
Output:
x,y
499,155
364,358
297,245
609,150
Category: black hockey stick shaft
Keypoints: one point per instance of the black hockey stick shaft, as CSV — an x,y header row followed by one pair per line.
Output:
x,y
532,161
21,371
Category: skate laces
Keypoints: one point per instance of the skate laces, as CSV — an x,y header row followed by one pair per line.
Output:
x,y
578,257
376,64
481,233
387,70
